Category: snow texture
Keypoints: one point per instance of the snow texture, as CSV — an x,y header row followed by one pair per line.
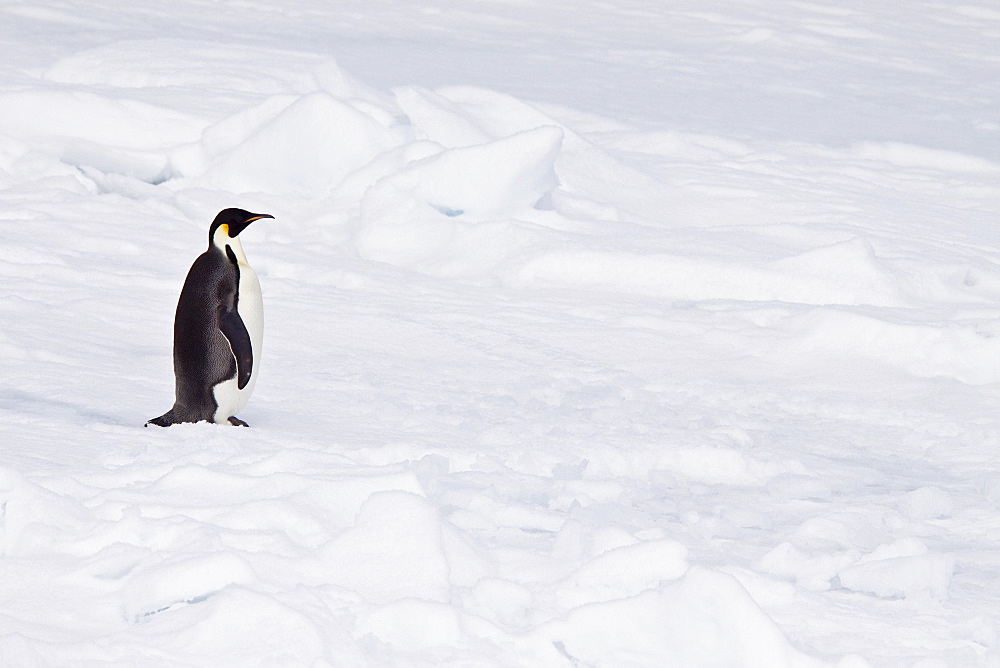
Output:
x,y
597,334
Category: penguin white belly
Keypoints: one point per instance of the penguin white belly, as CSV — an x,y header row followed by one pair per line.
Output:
x,y
229,397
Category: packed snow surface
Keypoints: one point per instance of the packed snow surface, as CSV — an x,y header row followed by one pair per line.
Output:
x,y
596,334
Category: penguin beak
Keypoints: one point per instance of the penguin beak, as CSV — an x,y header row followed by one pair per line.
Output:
x,y
236,228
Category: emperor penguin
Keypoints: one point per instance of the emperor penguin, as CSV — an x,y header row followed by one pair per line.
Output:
x,y
218,329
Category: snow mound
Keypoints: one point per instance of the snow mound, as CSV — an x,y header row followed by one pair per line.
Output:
x,y
436,118
455,209
705,618
115,135
99,120
919,157
306,150
496,179
954,349
624,571
502,601
845,274
811,570
248,628
905,568
154,589
927,503
414,625
394,551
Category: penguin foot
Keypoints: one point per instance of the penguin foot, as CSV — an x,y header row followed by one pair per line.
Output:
x,y
236,422
161,421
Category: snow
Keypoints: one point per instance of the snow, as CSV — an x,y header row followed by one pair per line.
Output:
x,y
619,333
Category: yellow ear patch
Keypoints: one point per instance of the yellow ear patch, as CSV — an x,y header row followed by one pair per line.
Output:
x,y
225,228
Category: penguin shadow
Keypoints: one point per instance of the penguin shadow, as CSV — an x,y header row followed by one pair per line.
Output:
x,y
35,405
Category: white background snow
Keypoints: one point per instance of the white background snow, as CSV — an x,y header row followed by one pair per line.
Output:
x,y
621,333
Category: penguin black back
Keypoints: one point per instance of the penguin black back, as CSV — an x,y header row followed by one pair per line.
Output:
x,y
217,329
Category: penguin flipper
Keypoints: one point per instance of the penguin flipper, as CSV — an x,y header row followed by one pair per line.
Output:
x,y
236,332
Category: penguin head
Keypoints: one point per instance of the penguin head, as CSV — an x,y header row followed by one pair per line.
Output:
x,y
230,222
